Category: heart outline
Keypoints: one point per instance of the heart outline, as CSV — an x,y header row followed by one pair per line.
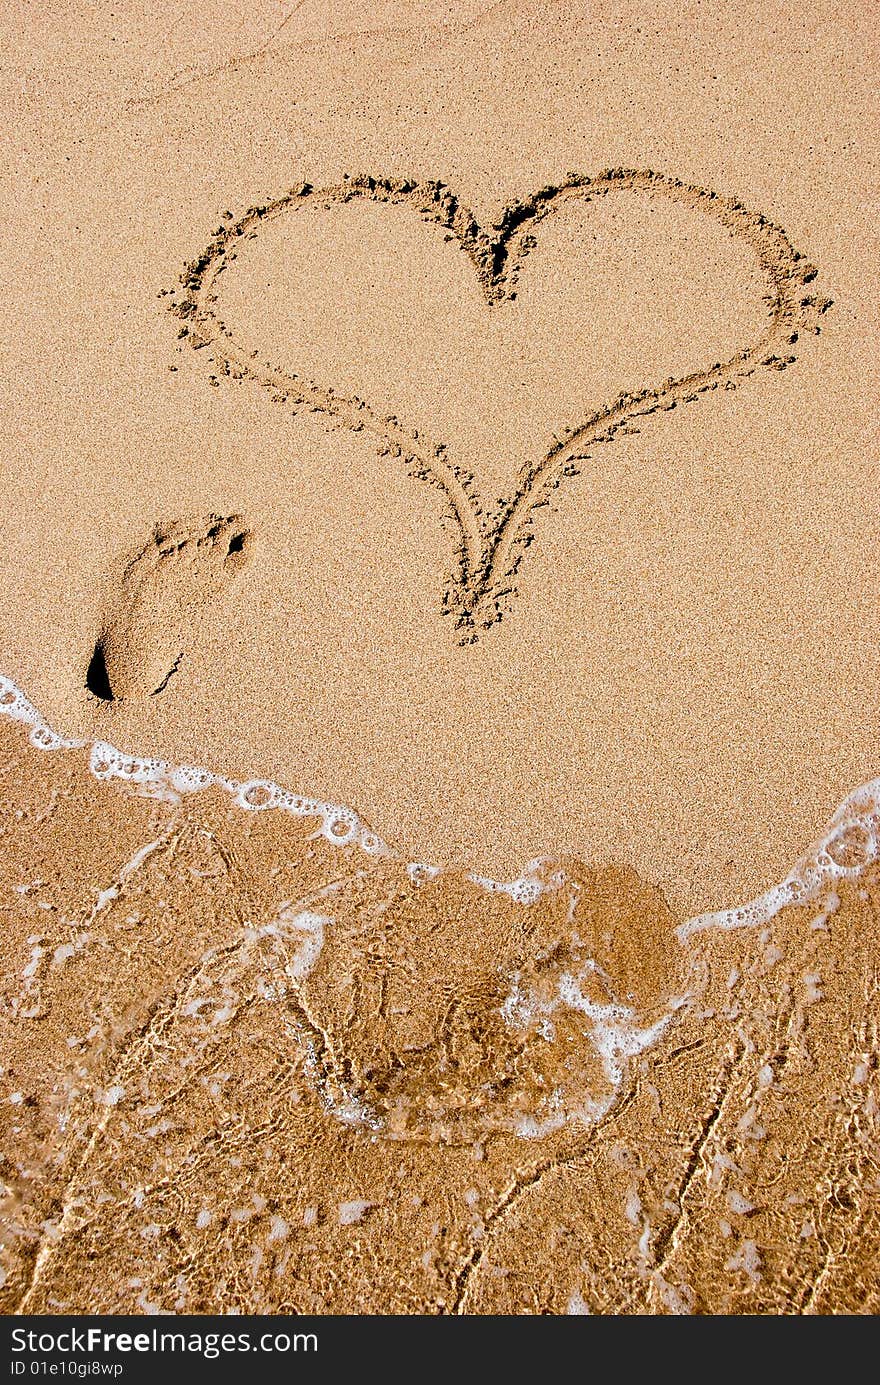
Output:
x,y
491,542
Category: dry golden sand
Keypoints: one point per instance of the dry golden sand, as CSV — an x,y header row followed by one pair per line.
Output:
x,y
461,412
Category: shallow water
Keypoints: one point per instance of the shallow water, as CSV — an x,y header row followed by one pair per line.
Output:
x,y
246,1065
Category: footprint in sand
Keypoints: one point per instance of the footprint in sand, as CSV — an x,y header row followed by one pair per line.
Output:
x,y
181,568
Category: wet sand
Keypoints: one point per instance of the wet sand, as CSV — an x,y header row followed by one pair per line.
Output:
x,y
249,1070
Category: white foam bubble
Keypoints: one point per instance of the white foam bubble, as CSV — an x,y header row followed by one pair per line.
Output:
x,y
189,779
310,928
278,1228
613,1031
46,739
738,1203
420,871
747,1258
339,824
528,887
353,1211
106,762
15,705
257,794
577,1304
847,847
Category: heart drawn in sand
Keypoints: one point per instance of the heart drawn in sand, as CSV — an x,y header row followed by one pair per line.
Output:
x,y
492,540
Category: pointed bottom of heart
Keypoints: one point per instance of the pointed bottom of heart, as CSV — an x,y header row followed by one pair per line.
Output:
x,y
243,1045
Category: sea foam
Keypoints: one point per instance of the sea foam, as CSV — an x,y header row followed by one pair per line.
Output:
x,y
847,846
